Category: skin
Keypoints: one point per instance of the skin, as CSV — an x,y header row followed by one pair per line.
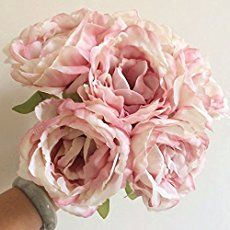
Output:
x,y
17,212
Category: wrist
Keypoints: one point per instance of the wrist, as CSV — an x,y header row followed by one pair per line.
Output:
x,y
40,200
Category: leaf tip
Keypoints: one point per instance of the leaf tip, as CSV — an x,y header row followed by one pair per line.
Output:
x,y
130,193
103,210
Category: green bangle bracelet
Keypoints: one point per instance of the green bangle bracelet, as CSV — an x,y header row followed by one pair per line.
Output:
x,y
40,200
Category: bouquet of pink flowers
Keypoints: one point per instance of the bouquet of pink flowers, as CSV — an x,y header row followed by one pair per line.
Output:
x,y
122,103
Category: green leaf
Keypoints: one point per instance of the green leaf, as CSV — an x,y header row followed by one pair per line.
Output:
x,y
74,96
103,210
130,193
45,96
29,105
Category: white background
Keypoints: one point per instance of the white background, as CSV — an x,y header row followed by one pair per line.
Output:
x,y
204,23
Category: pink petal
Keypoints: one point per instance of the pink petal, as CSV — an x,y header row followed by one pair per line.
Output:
x,y
71,69
119,81
130,96
47,109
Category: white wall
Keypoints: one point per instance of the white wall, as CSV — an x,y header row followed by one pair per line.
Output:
x,y
204,23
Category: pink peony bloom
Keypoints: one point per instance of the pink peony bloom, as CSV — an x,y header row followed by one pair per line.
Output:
x,y
146,71
141,69
54,54
77,154
166,155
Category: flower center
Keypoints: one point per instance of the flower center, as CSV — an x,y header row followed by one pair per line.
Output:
x,y
71,153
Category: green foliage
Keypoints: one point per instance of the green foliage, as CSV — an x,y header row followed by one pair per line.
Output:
x,y
29,105
74,96
103,210
130,193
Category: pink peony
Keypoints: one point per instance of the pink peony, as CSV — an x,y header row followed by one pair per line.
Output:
x,y
54,54
77,153
166,155
145,71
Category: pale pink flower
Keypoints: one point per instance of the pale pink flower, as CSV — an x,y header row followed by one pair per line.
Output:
x,y
78,154
53,54
145,71
166,155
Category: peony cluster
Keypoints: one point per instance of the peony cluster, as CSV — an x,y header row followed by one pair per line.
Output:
x,y
145,100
